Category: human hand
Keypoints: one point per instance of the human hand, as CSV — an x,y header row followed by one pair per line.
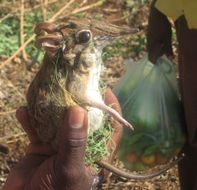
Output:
x,y
159,35
44,169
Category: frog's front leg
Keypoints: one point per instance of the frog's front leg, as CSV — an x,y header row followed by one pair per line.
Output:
x,y
110,111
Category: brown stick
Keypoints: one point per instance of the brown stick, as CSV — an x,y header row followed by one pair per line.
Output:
x,y
22,29
85,8
15,88
61,11
83,2
5,17
7,112
38,6
6,140
44,9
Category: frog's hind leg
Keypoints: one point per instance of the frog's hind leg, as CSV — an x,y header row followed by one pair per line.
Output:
x,y
100,105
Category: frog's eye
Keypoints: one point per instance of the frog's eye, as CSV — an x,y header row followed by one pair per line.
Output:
x,y
84,36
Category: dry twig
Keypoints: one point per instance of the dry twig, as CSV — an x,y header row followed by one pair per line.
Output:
x,y
9,83
57,14
38,6
8,112
85,8
5,17
22,30
44,4
83,2
9,139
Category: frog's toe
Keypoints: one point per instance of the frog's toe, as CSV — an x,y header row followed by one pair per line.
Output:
x,y
49,40
128,125
45,27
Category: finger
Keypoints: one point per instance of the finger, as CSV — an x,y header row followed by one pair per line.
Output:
x,y
167,48
154,52
159,35
73,138
23,118
110,99
39,149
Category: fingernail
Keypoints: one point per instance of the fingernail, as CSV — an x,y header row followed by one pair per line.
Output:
x,y
76,117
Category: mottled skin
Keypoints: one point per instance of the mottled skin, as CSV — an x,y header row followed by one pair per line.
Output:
x,y
43,103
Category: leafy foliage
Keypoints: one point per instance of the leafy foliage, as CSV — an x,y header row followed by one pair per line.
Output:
x,y
9,36
125,47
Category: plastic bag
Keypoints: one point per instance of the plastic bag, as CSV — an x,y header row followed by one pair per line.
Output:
x,y
149,98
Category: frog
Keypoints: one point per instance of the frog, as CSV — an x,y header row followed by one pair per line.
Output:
x,y
70,74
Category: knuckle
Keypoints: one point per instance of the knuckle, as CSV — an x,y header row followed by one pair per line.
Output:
x,y
76,142
72,174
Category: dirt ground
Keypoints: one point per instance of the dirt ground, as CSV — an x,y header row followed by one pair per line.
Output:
x,y
17,75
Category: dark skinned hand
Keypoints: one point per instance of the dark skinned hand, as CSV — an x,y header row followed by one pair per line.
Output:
x,y
43,169
159,35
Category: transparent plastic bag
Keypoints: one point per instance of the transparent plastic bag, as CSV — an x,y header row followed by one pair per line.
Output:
x,y
149,98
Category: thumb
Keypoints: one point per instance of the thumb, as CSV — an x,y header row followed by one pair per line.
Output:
x,y
73,136
111,100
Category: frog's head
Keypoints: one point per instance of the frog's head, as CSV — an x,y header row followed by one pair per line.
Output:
x,y
80,41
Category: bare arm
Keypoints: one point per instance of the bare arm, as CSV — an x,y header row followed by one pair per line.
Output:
x,y
159,34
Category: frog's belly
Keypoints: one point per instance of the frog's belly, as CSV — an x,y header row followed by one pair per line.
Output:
x,y
95,115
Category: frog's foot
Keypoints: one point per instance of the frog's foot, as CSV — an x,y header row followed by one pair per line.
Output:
x,y
100,105
49,37
49,41
45,27
50,27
